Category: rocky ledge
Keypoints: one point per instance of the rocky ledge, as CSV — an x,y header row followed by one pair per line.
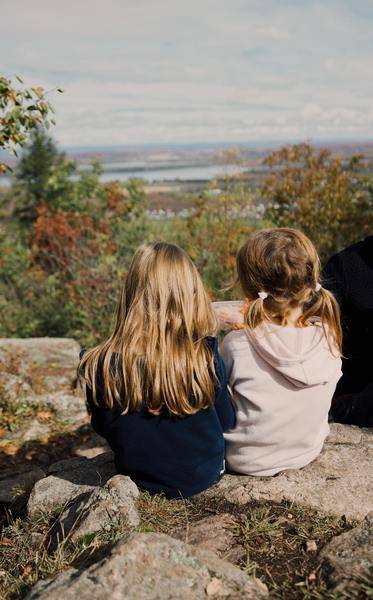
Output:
x,y
87,497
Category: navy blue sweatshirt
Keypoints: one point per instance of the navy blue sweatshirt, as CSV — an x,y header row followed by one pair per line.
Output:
x,y
179,456
349,275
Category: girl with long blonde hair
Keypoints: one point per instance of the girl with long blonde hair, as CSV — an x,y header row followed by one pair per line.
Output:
x,y
283,366
156,388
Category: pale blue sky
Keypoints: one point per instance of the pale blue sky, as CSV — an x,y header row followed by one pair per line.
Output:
x,y
138,71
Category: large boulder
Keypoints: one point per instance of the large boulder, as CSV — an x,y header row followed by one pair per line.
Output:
x,y
67,407
347,561
40,365
152,566
69,479
339,482
13,386
112,505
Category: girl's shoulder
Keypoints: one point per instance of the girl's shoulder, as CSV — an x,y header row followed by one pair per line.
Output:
x,y
212,341
236,341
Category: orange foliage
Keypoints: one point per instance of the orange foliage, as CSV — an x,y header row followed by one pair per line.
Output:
x,y
62,237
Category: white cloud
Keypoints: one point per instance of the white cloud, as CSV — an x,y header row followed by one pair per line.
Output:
x,y
274,33
209,70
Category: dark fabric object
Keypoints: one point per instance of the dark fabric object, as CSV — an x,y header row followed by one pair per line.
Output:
x,y
349,275
179,456
354,409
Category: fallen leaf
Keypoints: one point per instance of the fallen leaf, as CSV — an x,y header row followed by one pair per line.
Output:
x,y
44,415
27,570
10,449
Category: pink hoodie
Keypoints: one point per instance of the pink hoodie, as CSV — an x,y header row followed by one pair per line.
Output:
x,y
283,380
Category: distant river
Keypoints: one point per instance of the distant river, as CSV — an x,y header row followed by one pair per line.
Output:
x,y
125,171
153,174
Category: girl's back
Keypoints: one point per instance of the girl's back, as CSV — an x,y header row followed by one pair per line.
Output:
x,y
283,380
164,453
156,387
284,365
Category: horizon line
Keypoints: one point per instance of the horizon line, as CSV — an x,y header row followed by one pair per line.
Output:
x,y
222,143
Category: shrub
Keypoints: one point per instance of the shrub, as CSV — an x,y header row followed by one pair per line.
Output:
x,y
328,198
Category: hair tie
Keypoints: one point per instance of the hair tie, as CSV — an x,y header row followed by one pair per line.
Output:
x,y
262,295
318,287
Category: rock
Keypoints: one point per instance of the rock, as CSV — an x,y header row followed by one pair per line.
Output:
x,y
345,434
42,364
12,387
152,566
93,447
215,533
34,431
311,546
347,560
214,587
4,578
67,480
113,504
339,482
67,407
15,489
36,539
91,451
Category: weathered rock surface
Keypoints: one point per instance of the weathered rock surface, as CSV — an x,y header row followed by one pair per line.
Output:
x,y
15,488
215,533
113,504
40,364
338,482
34,431
67,480
92,447
151,566
66,407
347,560
12,386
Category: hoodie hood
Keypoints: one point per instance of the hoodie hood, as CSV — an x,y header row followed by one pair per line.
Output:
x,y
300,354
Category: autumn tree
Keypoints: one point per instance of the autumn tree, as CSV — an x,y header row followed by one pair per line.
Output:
x,y
327,197
21,110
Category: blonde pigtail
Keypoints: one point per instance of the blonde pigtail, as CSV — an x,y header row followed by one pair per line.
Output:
x,y
330,316
255,313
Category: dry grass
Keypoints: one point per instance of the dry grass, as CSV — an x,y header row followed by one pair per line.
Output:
x,y
28,553
273,536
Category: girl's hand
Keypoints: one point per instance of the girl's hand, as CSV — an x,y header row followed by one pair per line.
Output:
x,y
229,314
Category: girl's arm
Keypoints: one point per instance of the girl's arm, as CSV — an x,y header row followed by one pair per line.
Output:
x,y
100,415
96,412
223,400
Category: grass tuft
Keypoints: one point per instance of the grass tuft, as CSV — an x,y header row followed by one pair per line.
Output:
x,y
272,538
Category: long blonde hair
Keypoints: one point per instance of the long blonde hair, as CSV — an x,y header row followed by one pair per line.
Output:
x,y
284,263
157,356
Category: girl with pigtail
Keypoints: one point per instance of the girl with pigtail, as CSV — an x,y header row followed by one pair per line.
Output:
x,y
283,366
